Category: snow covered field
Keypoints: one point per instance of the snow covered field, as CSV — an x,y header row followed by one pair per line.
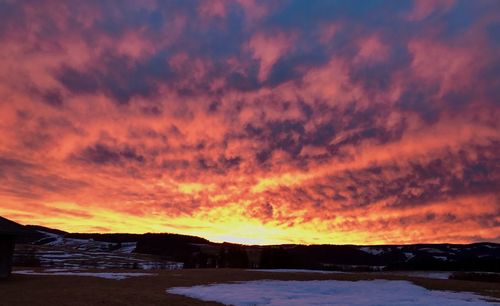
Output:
x,y
67,253
329,292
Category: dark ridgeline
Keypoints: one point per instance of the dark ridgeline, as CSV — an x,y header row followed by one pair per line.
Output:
x,y
196,252
9,232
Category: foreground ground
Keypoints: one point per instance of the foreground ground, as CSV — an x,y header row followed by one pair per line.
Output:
x,y
150,290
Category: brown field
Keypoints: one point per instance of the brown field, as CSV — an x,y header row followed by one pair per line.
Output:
x,y
150,290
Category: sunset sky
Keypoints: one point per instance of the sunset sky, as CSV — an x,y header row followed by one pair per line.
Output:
x,y
256,122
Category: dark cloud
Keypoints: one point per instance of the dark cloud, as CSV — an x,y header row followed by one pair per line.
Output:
x,y
101,154
322,135
420,183
214,106
120,77
229,162
32,181
53,98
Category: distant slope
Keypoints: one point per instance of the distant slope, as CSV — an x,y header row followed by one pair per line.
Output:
x,y
46,229
196,252
56,249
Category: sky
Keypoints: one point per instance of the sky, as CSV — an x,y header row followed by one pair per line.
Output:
x,y
257,122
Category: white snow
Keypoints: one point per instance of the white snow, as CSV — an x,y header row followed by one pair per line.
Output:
x,y
56,270
128,247
372,250
434,275
88,253
106,275
58,256
409,255
423,274
58,238
294,271
432,250
88,244
491,246
330,292
52,235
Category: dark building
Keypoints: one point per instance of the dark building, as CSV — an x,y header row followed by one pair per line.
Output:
x,y
9,230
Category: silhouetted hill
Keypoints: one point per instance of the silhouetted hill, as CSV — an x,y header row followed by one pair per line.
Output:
x,y
46,229
196,252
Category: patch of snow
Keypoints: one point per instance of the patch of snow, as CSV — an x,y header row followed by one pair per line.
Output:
x,y
409,255
94,255
432,250
443,258
51,235
483,256
294,271
423,274
159,265
106,275
58,238
372,250
127,247
58,270
58,256
331,292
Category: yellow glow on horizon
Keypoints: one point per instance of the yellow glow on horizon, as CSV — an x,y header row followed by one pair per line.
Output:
x,y
227,223
231,226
